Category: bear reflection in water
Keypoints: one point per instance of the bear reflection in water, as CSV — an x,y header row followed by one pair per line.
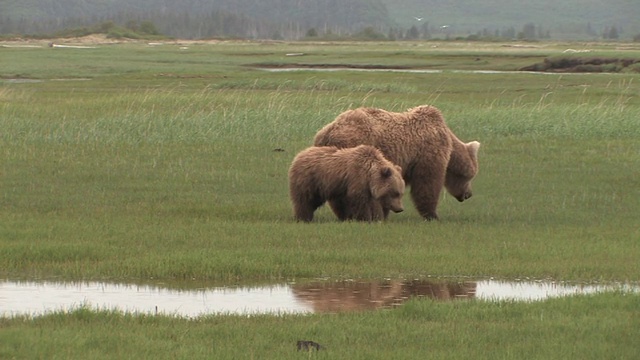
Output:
x,y
353,295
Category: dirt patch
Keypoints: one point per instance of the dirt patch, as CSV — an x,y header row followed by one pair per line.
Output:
x,y
93,39
97,39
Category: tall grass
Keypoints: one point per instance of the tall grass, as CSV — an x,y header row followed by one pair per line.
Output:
x,y
168,116
169,165
182,181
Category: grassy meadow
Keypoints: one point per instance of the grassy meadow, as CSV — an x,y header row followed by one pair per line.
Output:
x,y
131,162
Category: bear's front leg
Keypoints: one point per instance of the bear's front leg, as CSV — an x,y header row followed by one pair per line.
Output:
x,y
425,198
371,210
340,207
377,211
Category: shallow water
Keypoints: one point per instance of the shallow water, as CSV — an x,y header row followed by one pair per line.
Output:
x,y
34,81
37,298
416,71
22,81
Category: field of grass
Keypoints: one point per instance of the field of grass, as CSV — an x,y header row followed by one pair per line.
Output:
x,y
598,327
132,162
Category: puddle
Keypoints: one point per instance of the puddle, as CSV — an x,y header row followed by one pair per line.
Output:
x,y
416,71
330,69
35,81
23,81
20,46
37,298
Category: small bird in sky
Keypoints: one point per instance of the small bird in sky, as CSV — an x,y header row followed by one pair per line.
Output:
x,y
418,18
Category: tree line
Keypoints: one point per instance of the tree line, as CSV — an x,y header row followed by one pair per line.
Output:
x,y
288,19
218,23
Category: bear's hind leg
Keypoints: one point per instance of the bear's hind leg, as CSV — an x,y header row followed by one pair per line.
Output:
x,y
303,209
303,214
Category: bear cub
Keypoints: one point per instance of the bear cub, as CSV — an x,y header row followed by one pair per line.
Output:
x,y
359,183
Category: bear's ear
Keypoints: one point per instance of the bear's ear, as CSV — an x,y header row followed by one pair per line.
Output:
x,y
473,148
386,172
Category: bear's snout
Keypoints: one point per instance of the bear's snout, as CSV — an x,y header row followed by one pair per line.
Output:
x,y
464,196
398,210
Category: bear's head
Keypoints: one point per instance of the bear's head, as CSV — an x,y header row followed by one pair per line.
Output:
x,y
462,168
387,187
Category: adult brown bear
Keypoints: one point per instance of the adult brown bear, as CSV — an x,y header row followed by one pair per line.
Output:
x,y
419,141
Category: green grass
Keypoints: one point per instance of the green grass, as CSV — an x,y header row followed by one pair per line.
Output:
x,y
586,327
210,182
162,166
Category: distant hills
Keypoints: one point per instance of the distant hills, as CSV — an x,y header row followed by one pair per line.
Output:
x,y
582,19
294,19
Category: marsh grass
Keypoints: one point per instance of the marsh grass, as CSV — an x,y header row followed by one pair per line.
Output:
x,y
163,166
168,183
181,181
586,327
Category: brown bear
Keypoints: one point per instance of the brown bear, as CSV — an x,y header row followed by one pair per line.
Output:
x,y
359,183
419,141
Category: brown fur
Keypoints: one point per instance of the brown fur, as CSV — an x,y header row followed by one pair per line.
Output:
x,y
419,141
359,183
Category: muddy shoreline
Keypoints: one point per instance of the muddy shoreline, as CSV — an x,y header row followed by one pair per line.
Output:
x,y
572,64
549,65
